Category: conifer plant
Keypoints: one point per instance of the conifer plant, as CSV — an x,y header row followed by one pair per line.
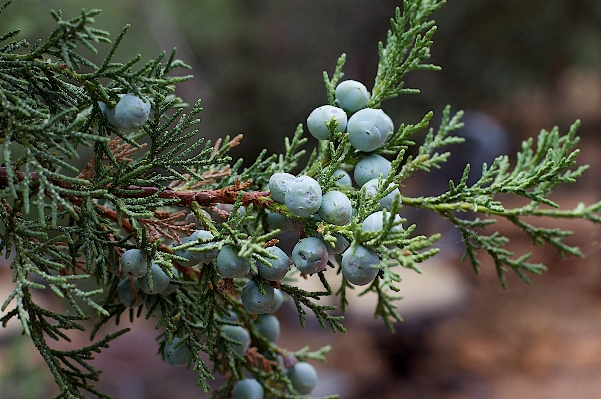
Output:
x,y
161,223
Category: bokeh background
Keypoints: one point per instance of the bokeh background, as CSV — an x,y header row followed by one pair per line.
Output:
x,y
516,66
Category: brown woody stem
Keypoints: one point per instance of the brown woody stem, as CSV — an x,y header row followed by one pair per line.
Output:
x,y
226,195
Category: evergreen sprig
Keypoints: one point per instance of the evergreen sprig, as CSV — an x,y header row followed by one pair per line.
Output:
x,y
150,188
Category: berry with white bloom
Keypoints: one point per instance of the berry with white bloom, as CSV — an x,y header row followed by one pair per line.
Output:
x,y
303,197
278,185
310,255
336,208
352,95
160,280
276,268
177,352
255,301
371,187
316,122
357,265
368,129
130,113
371,167
303,377
248,388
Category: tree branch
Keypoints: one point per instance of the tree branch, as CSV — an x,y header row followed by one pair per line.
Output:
x,y
227,195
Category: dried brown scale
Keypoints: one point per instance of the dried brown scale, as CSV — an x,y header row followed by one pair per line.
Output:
x,y
226,284
271,243
257,360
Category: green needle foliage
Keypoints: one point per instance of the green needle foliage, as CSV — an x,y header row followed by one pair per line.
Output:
x,y
149,189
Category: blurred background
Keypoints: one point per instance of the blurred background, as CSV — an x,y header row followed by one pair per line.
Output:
x,y
515,66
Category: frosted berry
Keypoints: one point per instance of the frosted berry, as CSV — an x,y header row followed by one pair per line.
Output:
x,y
203,256
336,208
160,280
368,129
352,95
310,255
371,167
303,377
177,352
386,202
127,296
338,246
248,388
230,315
278,185
278,221
375,222
184,253
278,299
256,302
316,122
240,334
343,178
133,263
269,326
130,113
277,268
229,264
303,197
357,265
152,301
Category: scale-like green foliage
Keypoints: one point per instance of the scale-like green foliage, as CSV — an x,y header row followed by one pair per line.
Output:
x,y
152,187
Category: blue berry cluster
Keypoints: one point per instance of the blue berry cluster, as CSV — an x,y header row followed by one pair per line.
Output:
x,y
302,202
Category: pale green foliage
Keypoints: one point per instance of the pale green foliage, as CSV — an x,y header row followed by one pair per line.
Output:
x,y
64,224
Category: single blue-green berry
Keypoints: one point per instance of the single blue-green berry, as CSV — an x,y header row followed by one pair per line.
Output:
x,y
133,263
343,178
303,377
184,253
370,167
357,265
269,326
303,197
229,264
172,287
352,95
278,221
316,122
152,301
278,299
255,301
336,208
371,187
160,280
375,222
310,255
338,246
278,185
126,294
368,129
130,113
177,352
230,315
277,267
204,254
240,334
248,388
